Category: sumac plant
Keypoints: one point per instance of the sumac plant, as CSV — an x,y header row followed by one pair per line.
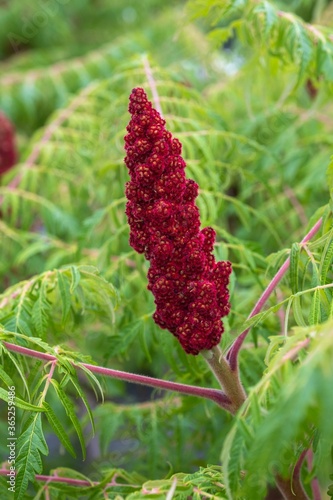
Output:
x,y
166,250
7,145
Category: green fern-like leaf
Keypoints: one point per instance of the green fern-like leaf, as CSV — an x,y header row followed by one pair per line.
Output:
x,y
58,428
30,445
70,411
298,390
273,31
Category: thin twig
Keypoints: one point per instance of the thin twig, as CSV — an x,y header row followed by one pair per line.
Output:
x,y
70,480
48,381
152,85
292,353
296,204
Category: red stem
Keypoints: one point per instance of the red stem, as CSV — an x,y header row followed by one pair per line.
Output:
x,y
152,85
213,394
316,493
297,486
68,480
232,355
292,488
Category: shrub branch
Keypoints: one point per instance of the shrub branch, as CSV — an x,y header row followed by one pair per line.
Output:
x,y
213,394
233,352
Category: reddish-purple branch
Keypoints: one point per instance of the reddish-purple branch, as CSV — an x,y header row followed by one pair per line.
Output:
x,y
232,355
213,394
292,488
316,493
297,487
152,85
70,480
29,352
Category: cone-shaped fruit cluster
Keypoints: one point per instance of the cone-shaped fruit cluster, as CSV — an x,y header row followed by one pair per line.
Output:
x,y
189,287
8,153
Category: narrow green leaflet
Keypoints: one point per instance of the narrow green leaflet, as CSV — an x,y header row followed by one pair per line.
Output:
x,y
76,277
65,295
92,378
41,310
315,310
58,428
6,378
120,343
74,379
19,370
70,410
326,263
30,445
298,311
301,46
294,263
232,459
269,13
20,402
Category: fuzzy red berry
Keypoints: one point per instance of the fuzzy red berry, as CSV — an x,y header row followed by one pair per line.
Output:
x,y
8,154
189,287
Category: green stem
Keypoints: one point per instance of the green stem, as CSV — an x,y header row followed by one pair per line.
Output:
x,y
229,380
72,481
227,377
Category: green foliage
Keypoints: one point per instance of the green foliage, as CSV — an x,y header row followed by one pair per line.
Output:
x,y
30,445
297,383
283,36
55,300
255,121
